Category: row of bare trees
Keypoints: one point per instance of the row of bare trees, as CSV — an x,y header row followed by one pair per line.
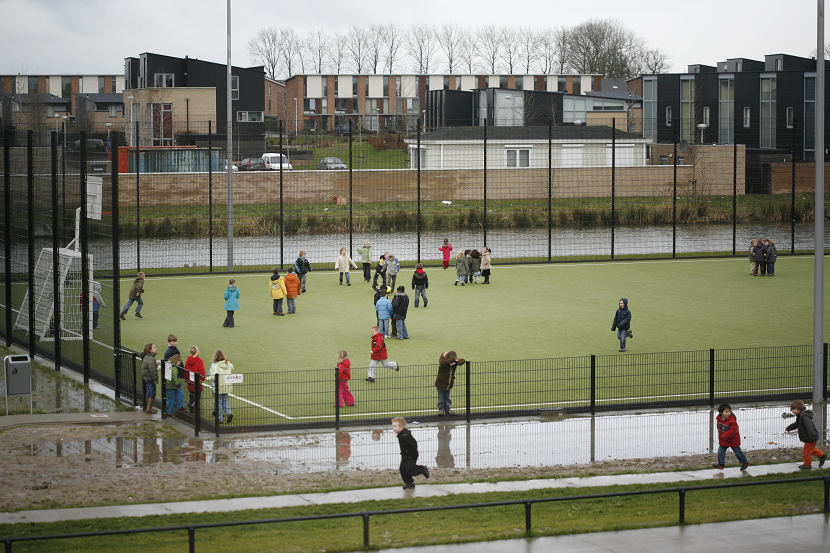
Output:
x,y
599,46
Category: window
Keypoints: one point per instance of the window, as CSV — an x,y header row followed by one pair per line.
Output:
x,y
305,86
623,155
310,106
326,87
102,83
503,81
324,106
112,83
398,86
66,88
116,110
705,115
446,82
520,83
687,109
32,85
608,105
562,84
354,86
234,88
269,89
427,81
577,86
664,160
164,80
809,117
80,84
366,86
573,110
386,85
726,110
768,111
340,106
249,116
458,82
778,64
517,156
746,117
668,116
650,108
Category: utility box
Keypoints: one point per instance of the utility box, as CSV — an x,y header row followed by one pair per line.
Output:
x,y
18,377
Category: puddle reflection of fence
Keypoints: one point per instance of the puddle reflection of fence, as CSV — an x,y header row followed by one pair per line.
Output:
x,y
53,393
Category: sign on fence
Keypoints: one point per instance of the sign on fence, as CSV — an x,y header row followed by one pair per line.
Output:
x,y
233,379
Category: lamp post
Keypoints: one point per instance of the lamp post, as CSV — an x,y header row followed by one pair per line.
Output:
x,y
702,127
377,120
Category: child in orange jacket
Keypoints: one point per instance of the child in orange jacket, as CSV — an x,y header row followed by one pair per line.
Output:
x,y
344,373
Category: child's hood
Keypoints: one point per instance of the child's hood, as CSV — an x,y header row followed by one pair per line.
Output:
x,y
96,286
275,278
419,271
345,364
223,364
807,413
625,302
731,418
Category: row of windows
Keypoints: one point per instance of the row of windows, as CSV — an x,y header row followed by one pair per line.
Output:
x,y
66,85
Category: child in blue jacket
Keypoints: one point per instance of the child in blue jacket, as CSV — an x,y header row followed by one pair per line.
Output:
x,y
384,309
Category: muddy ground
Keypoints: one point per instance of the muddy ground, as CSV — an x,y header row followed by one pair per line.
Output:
x,y
35,475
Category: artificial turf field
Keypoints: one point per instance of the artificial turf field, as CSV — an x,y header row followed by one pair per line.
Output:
x,y
527,312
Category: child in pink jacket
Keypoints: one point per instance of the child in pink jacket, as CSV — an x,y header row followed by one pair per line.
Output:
x,y
446,248
344,373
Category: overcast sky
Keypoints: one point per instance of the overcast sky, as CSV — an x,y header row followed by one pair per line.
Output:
x,y
94,36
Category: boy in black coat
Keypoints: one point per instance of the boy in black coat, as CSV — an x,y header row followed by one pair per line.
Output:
x,y
622,323
807,433
409,454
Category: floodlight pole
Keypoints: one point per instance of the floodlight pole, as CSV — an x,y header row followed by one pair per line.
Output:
x,y
229,151
818,257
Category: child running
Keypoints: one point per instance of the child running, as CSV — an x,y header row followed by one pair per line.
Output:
x,y
728,436
344,374
409,454
807,433
379,355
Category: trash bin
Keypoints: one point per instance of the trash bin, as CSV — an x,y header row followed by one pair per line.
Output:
x,y
18,377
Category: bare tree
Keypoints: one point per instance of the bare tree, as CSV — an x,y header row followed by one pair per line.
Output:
x,y
421,46
450,36
338,52
509,48
605,47
392,37
655,61
826,52
529,43
356,49
318,46
265,48
467,51
488,47
292,50
561,36
374,50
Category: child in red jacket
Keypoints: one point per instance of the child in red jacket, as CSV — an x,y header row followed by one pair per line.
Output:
x,y
379,355
729,436
194,365
344,373
446,248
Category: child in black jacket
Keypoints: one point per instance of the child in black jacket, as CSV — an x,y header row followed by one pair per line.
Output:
x,y
807,433
622,323
409,454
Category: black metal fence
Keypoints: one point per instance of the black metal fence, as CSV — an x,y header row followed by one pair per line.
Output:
x,y
365,516
595,383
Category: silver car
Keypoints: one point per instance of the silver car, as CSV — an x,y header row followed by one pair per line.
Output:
x,y
331,163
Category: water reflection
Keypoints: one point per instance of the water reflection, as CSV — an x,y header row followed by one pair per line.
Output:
x,y
53,392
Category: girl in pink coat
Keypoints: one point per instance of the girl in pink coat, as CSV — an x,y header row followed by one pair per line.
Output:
x,y
344,373
446,248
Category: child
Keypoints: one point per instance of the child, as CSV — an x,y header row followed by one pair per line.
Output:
x,y
220,367
379,355
384,310
460,268
380,271
136,291
772,257
172,347
752,265
409,454
301,267
175,395
729,436
150,375
97,302
231,302
400,305
807,433
278,291
469,261
446,249
194,365
485,264
446,379
366,260
342,265
293,288
392,268
622,323
475,265
344,373
420,282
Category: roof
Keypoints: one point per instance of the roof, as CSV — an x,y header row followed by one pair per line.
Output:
x,y
42,97
563,132
616,95
105,98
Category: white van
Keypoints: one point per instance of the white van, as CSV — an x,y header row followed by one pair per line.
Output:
x,y
273,162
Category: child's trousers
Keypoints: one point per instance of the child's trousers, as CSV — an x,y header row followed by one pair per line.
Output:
x,y
344,393
738,453
810,450
409,469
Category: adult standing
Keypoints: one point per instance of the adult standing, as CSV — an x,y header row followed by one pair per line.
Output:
x,y
485,264
301,267
366,260
772,256
231,302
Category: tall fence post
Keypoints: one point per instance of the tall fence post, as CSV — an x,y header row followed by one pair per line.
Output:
x,y
7,229
712,378
792,205
56,284
116,270
674,193
351,195
83,237
365,530
485,182
418,170
30,230
197,403
467,386
734,191
216,403
137,197
614,179
824,371
282,212
593,384
164,388
210,196
336,399
550,188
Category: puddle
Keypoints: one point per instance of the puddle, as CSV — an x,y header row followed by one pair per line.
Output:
x,y
58,392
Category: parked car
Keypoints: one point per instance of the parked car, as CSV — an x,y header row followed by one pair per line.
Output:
x,y
91,143
273,162
235,168
331,163
252,164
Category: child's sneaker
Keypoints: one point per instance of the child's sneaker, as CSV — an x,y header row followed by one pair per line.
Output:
x,y
805,467
744,465
717,466
426,473
370,379
821,460
630,334
409,487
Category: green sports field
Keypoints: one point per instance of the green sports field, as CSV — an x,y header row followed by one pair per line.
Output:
x,y
527,312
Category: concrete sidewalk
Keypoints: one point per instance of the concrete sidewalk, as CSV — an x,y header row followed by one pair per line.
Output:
x,y
380,494
115,417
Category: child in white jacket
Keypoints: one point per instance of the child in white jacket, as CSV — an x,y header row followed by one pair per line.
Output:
x,y
342,265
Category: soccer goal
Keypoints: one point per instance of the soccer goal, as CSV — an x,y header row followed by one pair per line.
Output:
x,y
70,282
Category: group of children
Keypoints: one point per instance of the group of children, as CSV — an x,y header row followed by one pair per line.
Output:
x,y
173,373
762,257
